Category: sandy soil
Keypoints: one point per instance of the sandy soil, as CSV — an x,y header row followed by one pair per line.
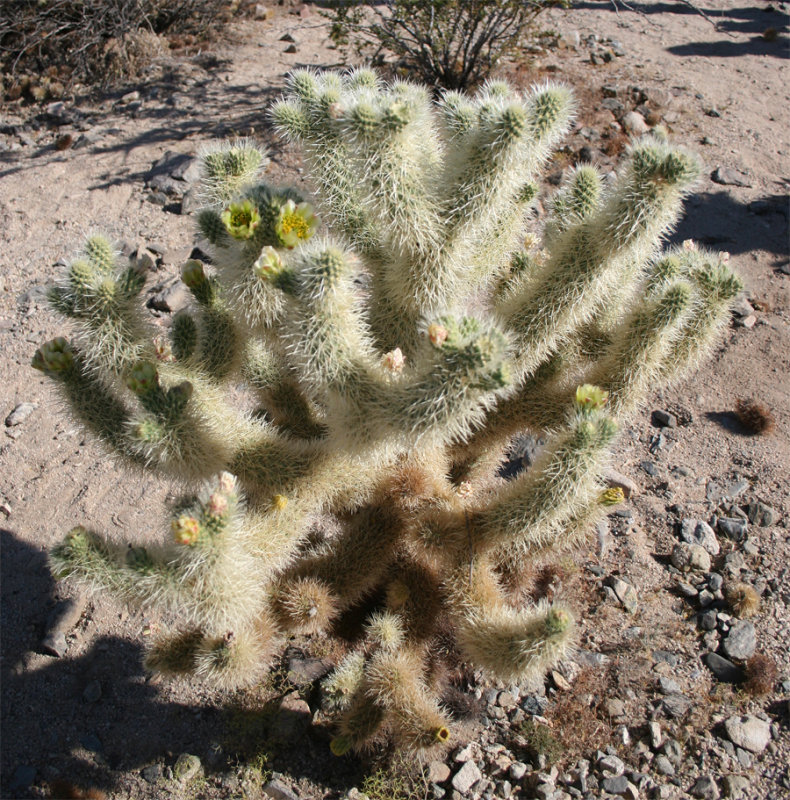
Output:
x,y
724,91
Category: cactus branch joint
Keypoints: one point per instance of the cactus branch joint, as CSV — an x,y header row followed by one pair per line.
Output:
x,y
392,342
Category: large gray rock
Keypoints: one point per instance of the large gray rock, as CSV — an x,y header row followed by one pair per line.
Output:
x,y
748,732
741,641
466,777
695,531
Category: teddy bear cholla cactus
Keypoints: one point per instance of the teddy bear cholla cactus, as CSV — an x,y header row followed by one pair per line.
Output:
x,y
391,361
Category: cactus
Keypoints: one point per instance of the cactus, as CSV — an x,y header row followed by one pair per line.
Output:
x,y
392,352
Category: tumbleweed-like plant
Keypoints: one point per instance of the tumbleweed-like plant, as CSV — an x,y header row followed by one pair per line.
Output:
x,y
391,350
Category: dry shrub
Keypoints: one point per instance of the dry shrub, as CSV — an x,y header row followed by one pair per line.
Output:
x,y
449,43
583,705
761,675
98,42
743,600
754,416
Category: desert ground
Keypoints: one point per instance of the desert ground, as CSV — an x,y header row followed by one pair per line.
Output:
x,y
81,710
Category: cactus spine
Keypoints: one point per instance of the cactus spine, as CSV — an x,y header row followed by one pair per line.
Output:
x,y
390,357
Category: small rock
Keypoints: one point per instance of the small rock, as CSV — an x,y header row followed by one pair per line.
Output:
x,y
171,298
664,419
611,766
293,718
715,581
741,641
748,322
617,480
663,766
517,770
724,670
615,707
733,528
686,589
466,777
665,657
634,123
748,732
92,693
761,515
438,772
186,767
676,705
742,307
690,556
286,37
729,177
699,532
618,785
649,467
62,619
735,786
152,773
303,671
91,742
277,790
626,594
613,105
706,788
290,49
20,413
261,11
708,621
130,97
656,736
668,686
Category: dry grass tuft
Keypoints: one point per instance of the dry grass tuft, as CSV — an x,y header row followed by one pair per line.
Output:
x,y
743,600
761,675
754,416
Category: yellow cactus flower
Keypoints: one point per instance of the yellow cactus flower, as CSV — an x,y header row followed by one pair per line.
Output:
x,y
53,356
268,264
591,398
241,219
186,530
295,224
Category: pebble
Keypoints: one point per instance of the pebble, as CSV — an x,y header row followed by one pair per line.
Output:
x,y
664,419
663,766
171,298
618,785
466,777
656,736
724,670
611,766
748,732
761,515
186,767
20,413
686,589
438,772
706,788
729,177
616,480
668,686
708,620
676,705
277,790
626,594
63,617
699,532
634,123
741,641
304,671
690,556
733,528
735,786
293,718
152,773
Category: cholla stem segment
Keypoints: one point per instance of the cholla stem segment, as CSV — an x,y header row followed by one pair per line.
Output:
x,y
338,397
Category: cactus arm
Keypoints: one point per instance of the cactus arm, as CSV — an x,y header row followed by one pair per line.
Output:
x,y
605,250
